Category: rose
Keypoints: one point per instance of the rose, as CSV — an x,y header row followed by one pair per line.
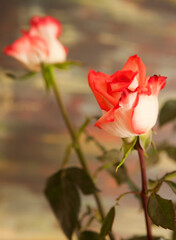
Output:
x,y
128,99
39,44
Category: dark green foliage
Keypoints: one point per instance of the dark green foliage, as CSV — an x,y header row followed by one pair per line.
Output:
x,y
81,179
162,212
168,112
89,235
64,199
174,236
62,193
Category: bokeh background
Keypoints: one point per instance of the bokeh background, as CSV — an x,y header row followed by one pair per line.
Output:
x,y
102,34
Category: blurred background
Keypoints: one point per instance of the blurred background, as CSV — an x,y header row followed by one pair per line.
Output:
x,y
102,34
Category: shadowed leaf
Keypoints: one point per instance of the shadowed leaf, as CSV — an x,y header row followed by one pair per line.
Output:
x,y
172,185
63,197
62,193
168,112
89,235
81,179
107,223
162,212
174,236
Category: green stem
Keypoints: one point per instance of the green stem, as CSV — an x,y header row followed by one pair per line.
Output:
x,y
74,138
144,189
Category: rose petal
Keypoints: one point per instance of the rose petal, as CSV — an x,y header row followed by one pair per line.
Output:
x,y
31,51
49,29
118,120
145,113
156,83
135,64
97,82
120,80
45,27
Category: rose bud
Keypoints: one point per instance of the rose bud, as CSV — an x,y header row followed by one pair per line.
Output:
x,y
128,99
39,44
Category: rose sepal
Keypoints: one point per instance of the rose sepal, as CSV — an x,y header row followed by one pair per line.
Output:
x,y
27,75
46,72
67,64
127,146
145,140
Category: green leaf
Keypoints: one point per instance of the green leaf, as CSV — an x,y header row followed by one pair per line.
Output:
x,y
172,185
170,175
107,223
155,185
145,140
64,199
127,147
168,112
79,177
89,235
23,77
67,64
162,212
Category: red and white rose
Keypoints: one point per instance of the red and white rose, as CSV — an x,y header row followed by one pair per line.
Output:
x,y
39,44
128,99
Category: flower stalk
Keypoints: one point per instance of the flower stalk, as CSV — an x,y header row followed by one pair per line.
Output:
x,y
74,138
143,194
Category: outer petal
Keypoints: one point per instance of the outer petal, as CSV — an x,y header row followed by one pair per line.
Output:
x,y
45,26
97,82
117,121
31,51
145,113
57,52
135,64
156,83
49,29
